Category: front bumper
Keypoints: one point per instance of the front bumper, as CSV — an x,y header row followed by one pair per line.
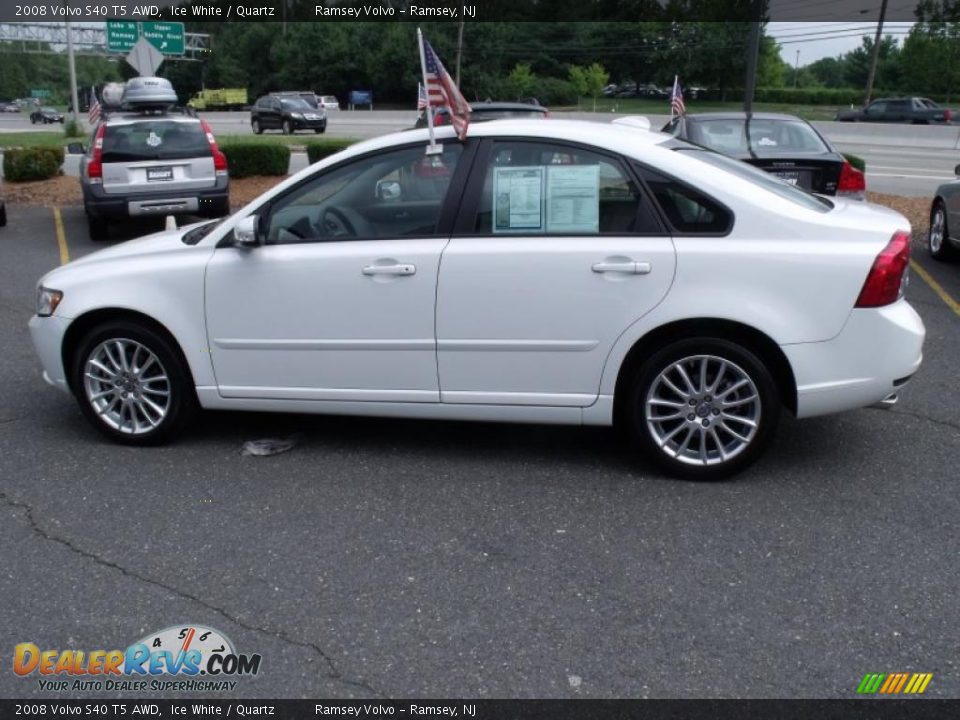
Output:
x,y
305,124
874,356
208,202
47,335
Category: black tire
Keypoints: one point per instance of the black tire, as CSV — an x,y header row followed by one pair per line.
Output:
x,y
944,251
3,214
708,420
287,128
98,229
319,131
181,400
255,125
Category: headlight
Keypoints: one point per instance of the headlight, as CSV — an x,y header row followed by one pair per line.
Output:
x,y
47,301
297,116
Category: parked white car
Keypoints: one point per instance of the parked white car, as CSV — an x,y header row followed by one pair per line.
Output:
x,y
548,272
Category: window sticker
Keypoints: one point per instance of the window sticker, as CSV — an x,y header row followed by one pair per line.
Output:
x,y
153,140
573,199
518,199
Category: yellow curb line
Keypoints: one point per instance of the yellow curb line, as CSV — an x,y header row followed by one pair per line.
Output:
x,y
935,286
61,236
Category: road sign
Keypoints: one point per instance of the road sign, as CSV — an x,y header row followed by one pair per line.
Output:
x,y
167,37
39,93
121,36
144,57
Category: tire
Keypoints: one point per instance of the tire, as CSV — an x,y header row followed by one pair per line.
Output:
x,y
938,237
126,406
3,215
659,409
287,128
319,131
97,228
255,125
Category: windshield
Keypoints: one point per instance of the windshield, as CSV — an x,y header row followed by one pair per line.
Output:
x,y
154,140
757,137
296,104
757,177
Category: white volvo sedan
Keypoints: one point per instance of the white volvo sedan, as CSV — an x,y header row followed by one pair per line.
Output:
x,y
543,272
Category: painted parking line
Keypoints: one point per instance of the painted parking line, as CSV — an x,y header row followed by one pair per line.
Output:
x,y
61,236
935,286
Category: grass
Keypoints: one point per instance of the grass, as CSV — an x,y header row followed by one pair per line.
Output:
x,y
33,139
662,107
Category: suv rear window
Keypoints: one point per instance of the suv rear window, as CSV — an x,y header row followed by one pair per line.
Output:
x,y
154,140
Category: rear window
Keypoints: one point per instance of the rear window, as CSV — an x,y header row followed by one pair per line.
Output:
x,y
759,137
154,140
479,114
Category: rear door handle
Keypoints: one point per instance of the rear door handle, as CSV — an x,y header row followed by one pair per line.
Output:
x,y
628,267
399,269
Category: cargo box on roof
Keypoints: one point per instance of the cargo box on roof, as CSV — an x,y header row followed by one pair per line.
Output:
x,y
149,93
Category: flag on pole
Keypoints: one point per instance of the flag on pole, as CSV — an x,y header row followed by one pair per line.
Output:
x,y
93,113
421,97
442,91
676,99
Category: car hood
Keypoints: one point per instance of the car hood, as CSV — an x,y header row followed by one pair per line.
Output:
x,y
162,242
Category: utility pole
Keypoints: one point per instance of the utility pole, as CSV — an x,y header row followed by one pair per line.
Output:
x,y
753,53
71,61
876,53
459,50
796,69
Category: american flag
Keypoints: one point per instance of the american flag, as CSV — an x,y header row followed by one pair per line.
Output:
x,y
676,98
93,114
443,92
421,97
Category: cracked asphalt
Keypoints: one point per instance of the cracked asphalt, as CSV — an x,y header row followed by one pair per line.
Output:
x,y
384,558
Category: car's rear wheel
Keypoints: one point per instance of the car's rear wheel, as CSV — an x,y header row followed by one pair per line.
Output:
x,y
3,215
938,239
255,125
287,128
703,408
132,384
97,228
318,130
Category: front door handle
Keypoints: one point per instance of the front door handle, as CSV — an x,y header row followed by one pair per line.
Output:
x,y
628,267
398,269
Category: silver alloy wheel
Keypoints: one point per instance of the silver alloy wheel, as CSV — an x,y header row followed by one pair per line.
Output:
x,y
127,386
703,410
936,230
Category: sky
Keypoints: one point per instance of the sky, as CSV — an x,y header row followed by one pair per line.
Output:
x,y
816,40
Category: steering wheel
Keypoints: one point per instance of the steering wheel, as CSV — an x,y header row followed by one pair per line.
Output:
x,y
334,224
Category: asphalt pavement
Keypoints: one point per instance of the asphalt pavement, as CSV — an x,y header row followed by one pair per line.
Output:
x,y
390,558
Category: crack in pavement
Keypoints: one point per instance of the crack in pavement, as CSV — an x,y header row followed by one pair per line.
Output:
x,y
333,674
919,416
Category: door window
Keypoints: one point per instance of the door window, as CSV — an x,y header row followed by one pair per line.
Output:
x,y
393,194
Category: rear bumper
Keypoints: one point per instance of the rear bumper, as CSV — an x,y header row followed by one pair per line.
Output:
x,y
209,202
874,356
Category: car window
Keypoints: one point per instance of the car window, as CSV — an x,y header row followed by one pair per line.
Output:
x,y
154,140
877,107
499,114
296,104
688,210
899,105
388,195
758,136
545,188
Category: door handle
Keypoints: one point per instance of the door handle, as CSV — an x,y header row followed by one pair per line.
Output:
x,y
404,269
627,267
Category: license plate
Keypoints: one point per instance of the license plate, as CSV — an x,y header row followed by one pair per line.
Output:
x,y
791,178
160,173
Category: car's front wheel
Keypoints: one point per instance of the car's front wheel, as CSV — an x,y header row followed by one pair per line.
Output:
x,y
703,408
938,240
97,228
287,127
255,125
132,384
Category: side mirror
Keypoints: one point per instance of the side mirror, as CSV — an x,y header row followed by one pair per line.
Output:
x,y
388,190
245,232
76,148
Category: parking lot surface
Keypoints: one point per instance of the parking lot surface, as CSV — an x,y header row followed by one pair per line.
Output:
x,y
391,558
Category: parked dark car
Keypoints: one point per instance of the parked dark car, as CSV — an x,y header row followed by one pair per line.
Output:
x,y
287,114
784,145
46,116
915,110
483,111
943,240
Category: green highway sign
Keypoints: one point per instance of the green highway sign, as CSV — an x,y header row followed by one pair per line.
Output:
x,y
167,37
121,36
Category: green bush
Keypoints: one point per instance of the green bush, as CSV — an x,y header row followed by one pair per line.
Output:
x,y
249,159
858,162
31,163
72,129
319,149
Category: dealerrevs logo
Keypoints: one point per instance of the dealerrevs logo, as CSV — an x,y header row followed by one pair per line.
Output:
x,y
200,658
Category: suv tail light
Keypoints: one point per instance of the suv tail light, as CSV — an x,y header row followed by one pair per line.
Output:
x,y
95,166
888,276
219,159
852,183
947,115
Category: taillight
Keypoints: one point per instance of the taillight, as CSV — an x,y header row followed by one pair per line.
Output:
x,y
219,159
438,119
852,183
887,279
947,115
95,166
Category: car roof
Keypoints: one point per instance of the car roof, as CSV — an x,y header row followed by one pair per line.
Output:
x,y
743,116
128,118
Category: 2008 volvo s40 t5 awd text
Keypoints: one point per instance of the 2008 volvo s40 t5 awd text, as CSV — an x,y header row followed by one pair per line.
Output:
x,y
547,272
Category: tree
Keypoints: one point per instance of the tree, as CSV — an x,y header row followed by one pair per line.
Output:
x,y
521,80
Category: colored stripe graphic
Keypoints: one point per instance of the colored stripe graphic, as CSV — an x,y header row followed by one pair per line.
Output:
x,y
870,683
894,683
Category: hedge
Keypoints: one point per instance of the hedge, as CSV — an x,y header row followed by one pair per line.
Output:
x,y
32,163
320,149
248,159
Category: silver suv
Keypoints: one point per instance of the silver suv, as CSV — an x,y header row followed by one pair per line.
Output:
x,y
152,163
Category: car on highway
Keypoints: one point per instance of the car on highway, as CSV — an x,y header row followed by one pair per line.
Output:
x,y
287,114
483,111
151,161
46,115
9,107
783,145
914,110
944,216
329,102
555,272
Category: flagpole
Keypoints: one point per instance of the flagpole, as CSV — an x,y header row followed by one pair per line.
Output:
x,y
432,148
673,95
